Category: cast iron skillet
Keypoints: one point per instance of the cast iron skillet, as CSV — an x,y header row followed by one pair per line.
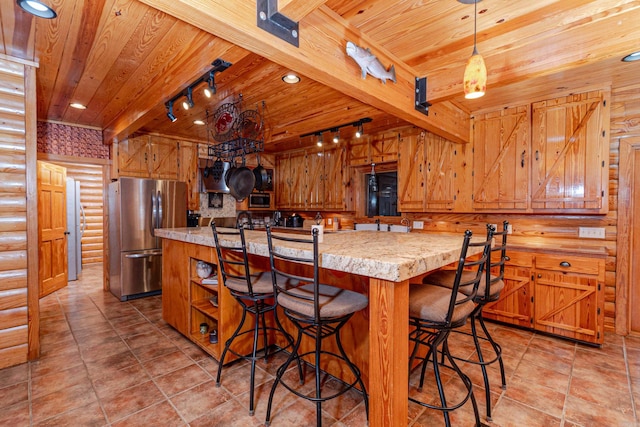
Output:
x,y
240,181
262,179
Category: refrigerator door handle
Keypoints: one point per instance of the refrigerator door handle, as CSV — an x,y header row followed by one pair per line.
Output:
x,y
159,198
154,215
84,221
144,255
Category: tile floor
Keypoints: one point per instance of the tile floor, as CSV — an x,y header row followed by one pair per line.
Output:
x,y
107,363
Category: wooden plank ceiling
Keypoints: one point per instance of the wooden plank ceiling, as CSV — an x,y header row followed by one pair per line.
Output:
x,y
124,59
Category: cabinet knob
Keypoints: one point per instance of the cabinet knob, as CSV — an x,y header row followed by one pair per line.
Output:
x,y
565,264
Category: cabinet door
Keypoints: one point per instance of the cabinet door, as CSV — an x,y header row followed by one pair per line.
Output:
x,y
501,159
567,300
298,180
384,148
133,157
164,158
515,305
334,179
188,172
571,153
411,153
439,191
283,182
359,152
314,188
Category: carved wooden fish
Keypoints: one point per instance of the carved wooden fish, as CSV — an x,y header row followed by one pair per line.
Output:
x,y
370,64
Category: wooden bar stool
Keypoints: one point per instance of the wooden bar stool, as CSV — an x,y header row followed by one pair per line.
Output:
x,y
317,310
254,292
435,311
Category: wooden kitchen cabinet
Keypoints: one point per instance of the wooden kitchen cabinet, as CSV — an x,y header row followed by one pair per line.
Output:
x,y
312,179
188,172
378,148
501,159
148,157
425,173
557,294
570,153
568,297
290,180
515,305
187,302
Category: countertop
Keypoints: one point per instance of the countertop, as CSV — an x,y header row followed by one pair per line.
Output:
x,y
389,256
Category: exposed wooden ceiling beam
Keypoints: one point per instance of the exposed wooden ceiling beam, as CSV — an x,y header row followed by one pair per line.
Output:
x,y
322,57
298,9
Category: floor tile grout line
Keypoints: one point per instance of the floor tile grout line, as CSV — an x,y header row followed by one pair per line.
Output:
x,y
628,372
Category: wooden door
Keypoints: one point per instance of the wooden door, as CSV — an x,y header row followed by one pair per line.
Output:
x,y
568,301
632,239
515,305
52,228
188,172
283,182
164,154
359,151
411,152
501,159
334,179
298,179
133,157
570,154
384,147
314,188
439,192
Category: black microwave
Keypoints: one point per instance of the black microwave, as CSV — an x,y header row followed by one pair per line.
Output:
x,y
260,200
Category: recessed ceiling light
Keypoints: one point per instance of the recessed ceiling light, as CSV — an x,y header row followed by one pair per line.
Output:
x,y
635,56
291,78
78,106
198,122
37,8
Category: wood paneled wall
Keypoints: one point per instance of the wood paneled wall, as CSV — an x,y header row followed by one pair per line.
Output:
x,y
17,249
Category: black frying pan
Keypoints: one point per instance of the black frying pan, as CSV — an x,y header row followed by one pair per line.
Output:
x,y
262,178
241,182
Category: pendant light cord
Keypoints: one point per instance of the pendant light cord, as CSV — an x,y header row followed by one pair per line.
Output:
x,y
475,25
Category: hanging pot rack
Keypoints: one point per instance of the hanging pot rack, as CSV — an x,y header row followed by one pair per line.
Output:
x,y
238,132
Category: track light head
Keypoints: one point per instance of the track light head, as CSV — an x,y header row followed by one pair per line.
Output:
x,y
319,141
336,135
360,131
170,115
188,102
210,90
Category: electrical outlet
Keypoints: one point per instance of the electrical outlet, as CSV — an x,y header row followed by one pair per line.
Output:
x,y
495,227
509,228
418,225
591,232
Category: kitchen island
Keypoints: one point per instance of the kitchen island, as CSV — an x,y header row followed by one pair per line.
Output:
x,y
376,263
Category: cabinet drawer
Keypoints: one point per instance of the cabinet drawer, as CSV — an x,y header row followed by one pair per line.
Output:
x,y
521,259
568,263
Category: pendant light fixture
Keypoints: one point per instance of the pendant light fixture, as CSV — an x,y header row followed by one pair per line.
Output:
x,y
475,73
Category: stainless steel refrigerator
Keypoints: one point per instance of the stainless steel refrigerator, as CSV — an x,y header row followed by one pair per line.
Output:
x,y
136,208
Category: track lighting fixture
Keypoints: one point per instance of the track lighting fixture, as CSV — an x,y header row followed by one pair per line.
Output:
x,y
335,130
188,102
169,106
219,66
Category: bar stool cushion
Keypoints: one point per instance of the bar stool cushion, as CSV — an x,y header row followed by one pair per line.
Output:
x,y
333,301
260,281
445,279
431,302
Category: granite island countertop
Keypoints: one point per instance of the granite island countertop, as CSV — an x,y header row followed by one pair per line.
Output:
x,y
389,256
